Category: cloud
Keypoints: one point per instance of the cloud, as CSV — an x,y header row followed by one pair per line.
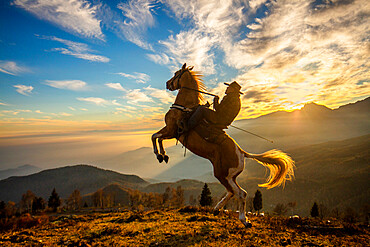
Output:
x,y
95,100
193,47
116,86
212,25
76,49
11,68
136,96
138,77
2,103
164,96
138,18
23,89
75,85
160,58
98,101
75,16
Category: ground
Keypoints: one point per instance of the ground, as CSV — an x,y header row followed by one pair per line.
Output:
x,y
187,227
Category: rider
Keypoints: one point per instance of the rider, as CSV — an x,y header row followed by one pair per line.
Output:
x,y
225,112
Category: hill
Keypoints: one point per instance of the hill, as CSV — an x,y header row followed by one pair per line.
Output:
x,y
180,228
117,194
19,171
65,180
335,174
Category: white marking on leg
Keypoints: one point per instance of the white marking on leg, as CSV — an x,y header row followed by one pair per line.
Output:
x,y
224,200
239,192
154,138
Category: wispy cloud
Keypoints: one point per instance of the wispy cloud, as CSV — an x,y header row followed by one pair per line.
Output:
x,y
136,96
138,77
75,85
95,100
98,101
75,16
23,89
116,86
76,49
11,68
163,95
138,18
2,103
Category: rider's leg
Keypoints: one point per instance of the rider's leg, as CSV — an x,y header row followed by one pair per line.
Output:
x,y
200,113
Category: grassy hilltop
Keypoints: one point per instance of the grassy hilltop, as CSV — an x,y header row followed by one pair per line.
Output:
x,y
185,227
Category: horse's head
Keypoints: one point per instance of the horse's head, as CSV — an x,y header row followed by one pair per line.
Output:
x,y
175,82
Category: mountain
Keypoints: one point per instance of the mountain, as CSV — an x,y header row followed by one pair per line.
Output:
x,y
313,124
335,174
65,180
310,125
120,195
142,161
19,171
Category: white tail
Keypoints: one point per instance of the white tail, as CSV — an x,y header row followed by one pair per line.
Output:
x,y
280,164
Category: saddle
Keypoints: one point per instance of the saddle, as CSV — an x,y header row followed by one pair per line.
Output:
x,y
210,132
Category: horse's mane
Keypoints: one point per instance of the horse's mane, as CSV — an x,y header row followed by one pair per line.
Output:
x,y
197,76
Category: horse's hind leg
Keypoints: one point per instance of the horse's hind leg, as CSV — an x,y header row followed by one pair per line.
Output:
x,y
241,196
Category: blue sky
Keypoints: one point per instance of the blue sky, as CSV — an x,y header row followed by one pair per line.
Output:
x,y
76,66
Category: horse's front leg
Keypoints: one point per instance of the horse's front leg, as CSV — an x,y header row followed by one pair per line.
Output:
x,y
155,136
162,151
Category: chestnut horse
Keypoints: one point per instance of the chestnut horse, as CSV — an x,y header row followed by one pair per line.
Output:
x,y
227,157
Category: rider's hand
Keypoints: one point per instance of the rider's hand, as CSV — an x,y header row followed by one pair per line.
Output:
x,y
207,104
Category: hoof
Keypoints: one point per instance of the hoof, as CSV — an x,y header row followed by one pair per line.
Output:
x,y
160,158
166,158
247,224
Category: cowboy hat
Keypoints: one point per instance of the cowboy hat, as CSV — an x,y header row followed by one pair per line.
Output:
x,y
234,85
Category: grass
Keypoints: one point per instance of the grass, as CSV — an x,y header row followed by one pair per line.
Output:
x,y
186,227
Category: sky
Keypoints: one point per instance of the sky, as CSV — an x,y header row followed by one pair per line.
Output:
x,y
78,71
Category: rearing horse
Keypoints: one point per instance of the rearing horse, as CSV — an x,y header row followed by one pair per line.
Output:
x,y
227,157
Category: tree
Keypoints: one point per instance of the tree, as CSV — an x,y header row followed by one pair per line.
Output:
x,y
257,201
54,200
2,209
179,197
280,209
167,197
38,204
98,198
27,201
205,197
315,210
74,200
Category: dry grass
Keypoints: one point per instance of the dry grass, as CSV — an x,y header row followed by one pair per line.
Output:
x,y
188,227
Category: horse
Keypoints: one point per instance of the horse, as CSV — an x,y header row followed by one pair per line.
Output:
x,y
226,157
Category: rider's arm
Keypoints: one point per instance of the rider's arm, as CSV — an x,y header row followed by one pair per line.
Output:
x,y
215,102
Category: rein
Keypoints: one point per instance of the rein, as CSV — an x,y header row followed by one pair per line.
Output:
x,y
214,95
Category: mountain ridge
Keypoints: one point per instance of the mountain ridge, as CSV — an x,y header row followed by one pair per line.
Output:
x,y
66,179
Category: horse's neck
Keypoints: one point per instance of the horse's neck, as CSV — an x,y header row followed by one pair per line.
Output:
x,y
187,97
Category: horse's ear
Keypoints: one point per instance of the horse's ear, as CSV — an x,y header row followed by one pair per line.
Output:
x,y
191,68
184,66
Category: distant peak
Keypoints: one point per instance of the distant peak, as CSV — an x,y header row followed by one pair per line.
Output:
x,y
313,107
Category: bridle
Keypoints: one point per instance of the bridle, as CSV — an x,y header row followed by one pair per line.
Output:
x,y
178,77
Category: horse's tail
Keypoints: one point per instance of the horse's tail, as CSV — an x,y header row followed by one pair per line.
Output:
x,y
281,167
